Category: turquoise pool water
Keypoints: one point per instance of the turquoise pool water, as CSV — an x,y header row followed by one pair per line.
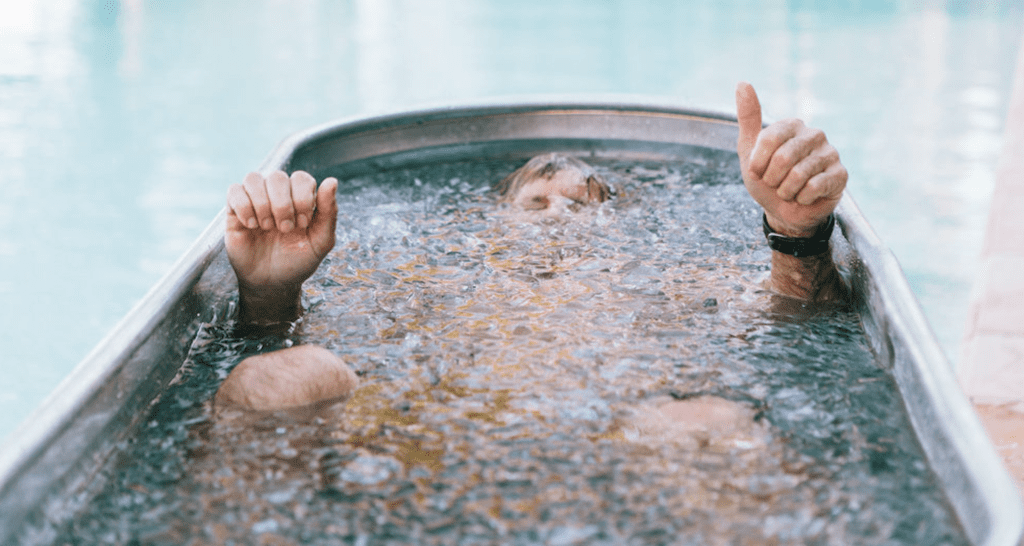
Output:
x,y
122,122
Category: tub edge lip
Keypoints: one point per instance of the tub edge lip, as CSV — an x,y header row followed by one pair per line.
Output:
x,y
278,157
961,425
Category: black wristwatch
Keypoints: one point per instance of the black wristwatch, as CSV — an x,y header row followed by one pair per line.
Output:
x,y
801,247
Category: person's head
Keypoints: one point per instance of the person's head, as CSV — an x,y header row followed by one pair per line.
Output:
x,y
553,181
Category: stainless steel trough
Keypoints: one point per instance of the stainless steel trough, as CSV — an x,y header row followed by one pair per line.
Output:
x,y
50,460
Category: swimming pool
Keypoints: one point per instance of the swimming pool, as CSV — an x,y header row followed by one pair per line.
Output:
x,y
123,122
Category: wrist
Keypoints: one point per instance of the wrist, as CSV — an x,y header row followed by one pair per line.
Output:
x,y
799,243
777,225
268,305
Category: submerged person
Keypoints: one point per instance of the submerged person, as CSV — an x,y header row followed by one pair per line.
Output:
x,y
280,227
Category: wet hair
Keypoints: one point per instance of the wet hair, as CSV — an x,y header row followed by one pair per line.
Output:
x,y
545,166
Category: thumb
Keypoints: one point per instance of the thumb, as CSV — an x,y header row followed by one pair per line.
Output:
x,y
321,228
748,112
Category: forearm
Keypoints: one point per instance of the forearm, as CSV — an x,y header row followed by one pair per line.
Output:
x,y
264,307
812,278
802,265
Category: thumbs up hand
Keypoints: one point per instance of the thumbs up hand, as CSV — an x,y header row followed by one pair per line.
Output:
x,y
789,169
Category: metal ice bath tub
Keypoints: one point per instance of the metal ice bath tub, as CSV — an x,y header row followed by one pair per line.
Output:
x,y
73,433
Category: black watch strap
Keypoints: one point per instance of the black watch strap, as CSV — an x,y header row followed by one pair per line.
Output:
x,y
801,247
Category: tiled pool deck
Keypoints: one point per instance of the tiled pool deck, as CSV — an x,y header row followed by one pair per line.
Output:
x,y
991,368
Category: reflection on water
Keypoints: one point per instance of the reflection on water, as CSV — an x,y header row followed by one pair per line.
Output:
x,y
614,376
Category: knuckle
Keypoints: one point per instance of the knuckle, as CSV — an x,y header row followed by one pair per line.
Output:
x,y
252,180
815,135
815,185
786,156
238,201
306,184
303,189
302,177
258,200
808,143
277,177
802,171
842,175
831,155
772,139
822,163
